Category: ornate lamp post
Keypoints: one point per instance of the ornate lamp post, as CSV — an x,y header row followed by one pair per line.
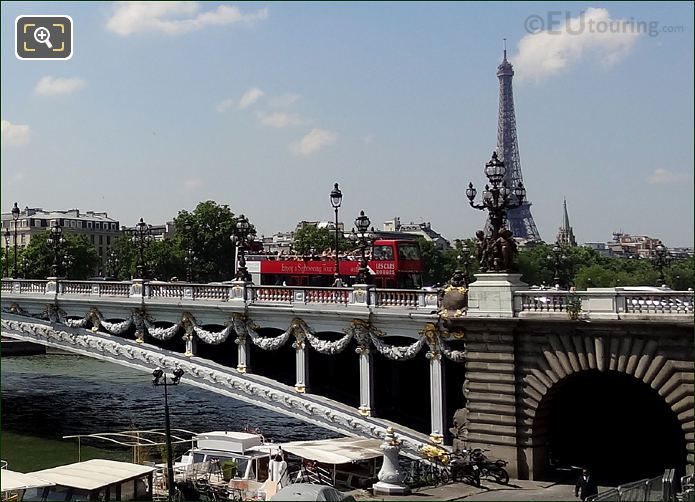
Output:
x,y
15,217
141,236
7,251
662,258
363,239
24,266
160,378
67,264
112,263
189,259
55,241
557,258
336,200
240,238
498,249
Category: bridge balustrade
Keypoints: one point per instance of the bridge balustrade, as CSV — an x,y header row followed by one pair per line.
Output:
x,y
668,302
301,295
397,298
609,303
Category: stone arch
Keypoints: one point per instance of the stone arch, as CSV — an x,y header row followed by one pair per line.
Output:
x,y
559,357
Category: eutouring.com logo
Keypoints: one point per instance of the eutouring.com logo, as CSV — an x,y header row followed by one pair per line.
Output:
x,y
561,22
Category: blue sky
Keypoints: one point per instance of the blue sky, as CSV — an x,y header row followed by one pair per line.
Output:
x,y
263,106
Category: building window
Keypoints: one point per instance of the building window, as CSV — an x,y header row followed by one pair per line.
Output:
x,y
97,225
92,238
44,223
101,242
108,240
89,224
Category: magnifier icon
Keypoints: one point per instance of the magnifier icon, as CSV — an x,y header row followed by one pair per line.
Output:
x,y
43,36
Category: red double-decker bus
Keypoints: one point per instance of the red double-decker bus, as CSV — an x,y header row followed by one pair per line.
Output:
x,y
392,264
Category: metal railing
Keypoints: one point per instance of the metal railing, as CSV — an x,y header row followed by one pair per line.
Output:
x,y
659,488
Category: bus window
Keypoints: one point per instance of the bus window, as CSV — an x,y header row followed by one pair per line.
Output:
x,y
410,281
408,251
382,253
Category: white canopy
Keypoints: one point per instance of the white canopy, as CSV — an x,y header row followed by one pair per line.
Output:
x,y
12,480
335,451
93,474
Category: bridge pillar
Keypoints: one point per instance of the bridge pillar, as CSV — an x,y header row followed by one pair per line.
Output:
x,y
301,366
239,291
436,401
137,289
243,355
366,381
51,287
492,295
362,295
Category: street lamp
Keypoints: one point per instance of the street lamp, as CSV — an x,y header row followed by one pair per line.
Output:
x,y
336,200
662,258
463,261
189,259
55,240
15,217
141,236
497,201
241,238
7,251
67,264
112,262
363,239
24,265
160,378
556,257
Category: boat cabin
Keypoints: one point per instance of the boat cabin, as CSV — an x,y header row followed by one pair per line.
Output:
x,y
96,479
241,448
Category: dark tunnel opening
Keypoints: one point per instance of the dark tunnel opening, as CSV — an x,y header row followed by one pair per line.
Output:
x,y
611,423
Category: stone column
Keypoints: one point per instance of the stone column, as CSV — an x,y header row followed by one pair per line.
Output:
x,y
52,286
436,397
366,381
390,476
243,355
301,365
190,345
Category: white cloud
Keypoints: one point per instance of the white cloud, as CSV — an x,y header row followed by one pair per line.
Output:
x,y
174,18
250,97
662,176
313,141
14,134
591,35
285,100
280,119
51,86
225,105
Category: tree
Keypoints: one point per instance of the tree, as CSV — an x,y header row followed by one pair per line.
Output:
x,y
208,229
39,256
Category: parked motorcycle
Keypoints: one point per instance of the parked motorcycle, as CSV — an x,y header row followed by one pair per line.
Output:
x,y
463,469
490,468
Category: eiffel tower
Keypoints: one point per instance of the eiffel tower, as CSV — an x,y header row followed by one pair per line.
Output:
x,y
519,219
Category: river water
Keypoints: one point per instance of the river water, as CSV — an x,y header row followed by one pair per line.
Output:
x,y
45,397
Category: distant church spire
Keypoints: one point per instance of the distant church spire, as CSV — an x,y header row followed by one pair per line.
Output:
x,y
565,236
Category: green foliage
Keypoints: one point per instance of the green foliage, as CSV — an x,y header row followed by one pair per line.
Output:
x,y
439,265
309,236
39,256
207,230
321,239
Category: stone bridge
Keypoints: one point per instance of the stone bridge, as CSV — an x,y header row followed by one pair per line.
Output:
x,y
531,377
